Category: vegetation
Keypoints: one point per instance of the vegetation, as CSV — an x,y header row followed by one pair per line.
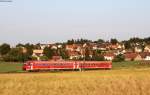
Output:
x,y
17,67
125,78
48,52
23,52
4,49
10,67
113,41
78,41
110,82
119,58
43,58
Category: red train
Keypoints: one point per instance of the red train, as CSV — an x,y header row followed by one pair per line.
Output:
x,y
66,65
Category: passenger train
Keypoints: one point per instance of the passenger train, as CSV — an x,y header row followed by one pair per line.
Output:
x,y
66,65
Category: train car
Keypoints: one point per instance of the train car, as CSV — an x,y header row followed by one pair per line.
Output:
x,y
65,65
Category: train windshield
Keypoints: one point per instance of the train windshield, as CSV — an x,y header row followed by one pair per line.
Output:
x,y
27,63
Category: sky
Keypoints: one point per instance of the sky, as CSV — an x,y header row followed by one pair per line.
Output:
x,y
50,21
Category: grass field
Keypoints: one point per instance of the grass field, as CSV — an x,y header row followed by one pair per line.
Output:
x,y
126,78
10,67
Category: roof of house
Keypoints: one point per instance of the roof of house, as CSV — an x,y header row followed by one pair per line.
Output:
x,y
38,51
74,46
109,54
144,54
73,53
130,55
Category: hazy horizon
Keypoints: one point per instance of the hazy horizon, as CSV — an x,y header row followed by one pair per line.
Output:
x,y
23,21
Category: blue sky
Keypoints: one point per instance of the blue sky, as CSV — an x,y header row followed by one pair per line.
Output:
x,y
47,21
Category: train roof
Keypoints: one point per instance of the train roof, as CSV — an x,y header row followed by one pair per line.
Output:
x,y
36,62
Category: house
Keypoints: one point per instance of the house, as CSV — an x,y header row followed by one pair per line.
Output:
x,y
132,56
54,47
116,46
145,55
42,46
100,47
74,55
138,49
37,53
74,47
59,46
109,56
69,47
138,58
147,48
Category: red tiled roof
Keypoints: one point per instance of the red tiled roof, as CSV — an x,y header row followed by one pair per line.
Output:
x,y
109,54
131,55
72,53
144,54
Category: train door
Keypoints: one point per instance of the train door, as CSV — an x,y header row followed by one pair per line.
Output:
x,y
76,65
31,66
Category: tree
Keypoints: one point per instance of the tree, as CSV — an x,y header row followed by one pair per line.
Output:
x,y
43,58
127,45
69,42
4,49
147,40
114,41
135,40
19,45
48,52
100,41
29,48
98,58
33,58
87,53
13,55
64,54
119,58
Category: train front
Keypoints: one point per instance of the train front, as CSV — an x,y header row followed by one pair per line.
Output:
x,y
26,66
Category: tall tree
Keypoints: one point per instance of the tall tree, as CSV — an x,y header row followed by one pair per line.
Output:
x,y
48,52
69,42
135,40
15,54
29,48
100,41
63,53
114,41
4,49
127,45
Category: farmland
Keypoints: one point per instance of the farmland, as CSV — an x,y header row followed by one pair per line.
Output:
x,y
126,78
110,82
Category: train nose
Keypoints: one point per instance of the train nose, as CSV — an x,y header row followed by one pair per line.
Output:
x,y
24,68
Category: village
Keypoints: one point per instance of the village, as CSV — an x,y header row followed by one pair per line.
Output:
x,y
101,50
134,49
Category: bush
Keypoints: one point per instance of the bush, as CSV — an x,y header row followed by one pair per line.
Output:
x,y
33,58
43,58
119,58
98,58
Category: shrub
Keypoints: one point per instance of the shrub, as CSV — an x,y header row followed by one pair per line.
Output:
x,y
119,58
33,58
44,58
